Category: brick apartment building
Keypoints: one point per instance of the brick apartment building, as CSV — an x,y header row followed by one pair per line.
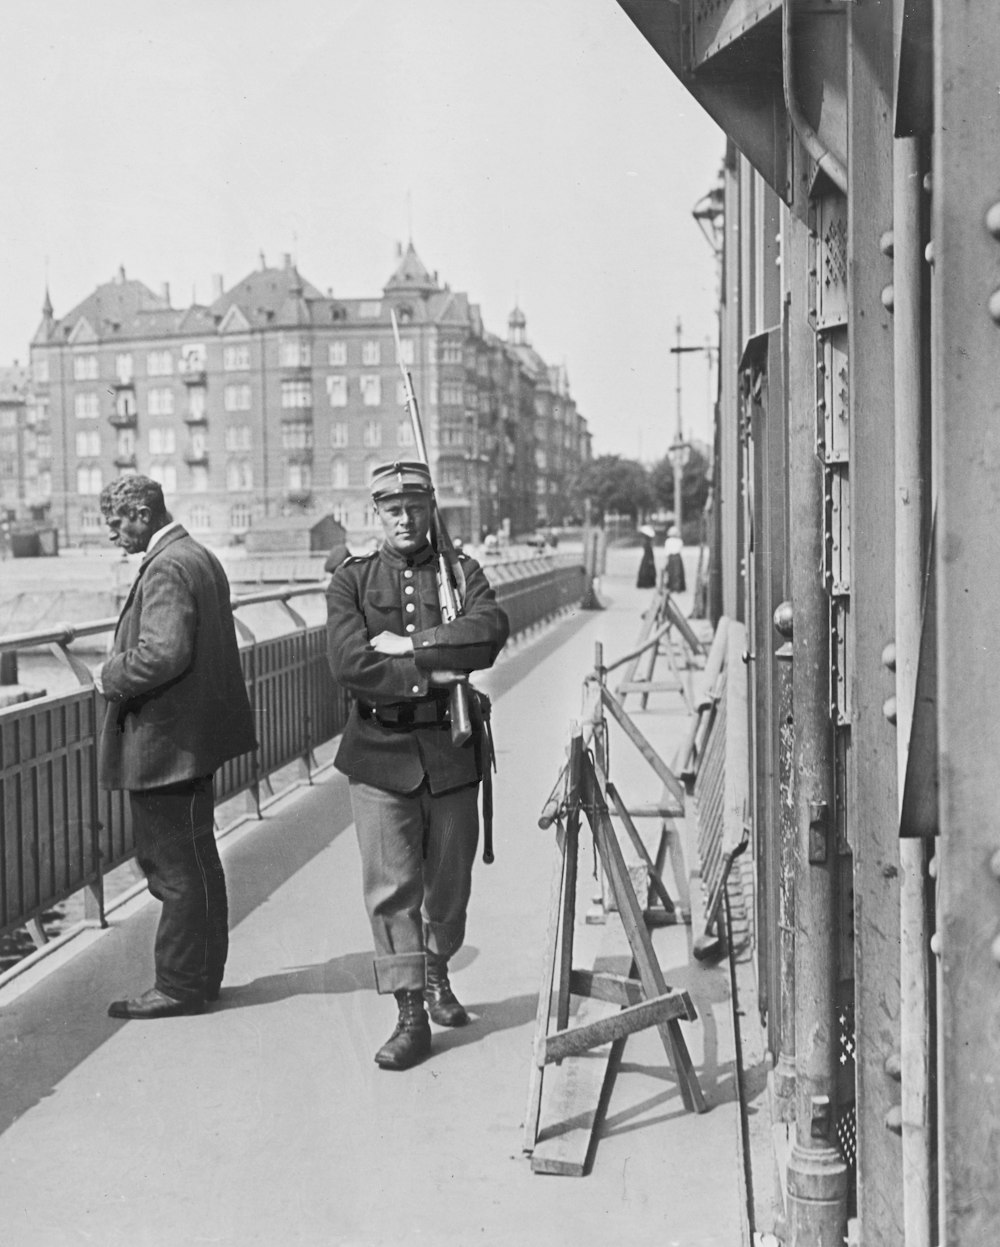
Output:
x,y
277,400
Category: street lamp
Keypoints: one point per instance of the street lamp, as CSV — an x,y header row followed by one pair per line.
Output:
x,y
679,452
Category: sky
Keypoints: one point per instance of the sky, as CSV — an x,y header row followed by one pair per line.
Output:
x,y
537,152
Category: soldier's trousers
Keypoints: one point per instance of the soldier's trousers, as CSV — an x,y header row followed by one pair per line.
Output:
x,y
417,851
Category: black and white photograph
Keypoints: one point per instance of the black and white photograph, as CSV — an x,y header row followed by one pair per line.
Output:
x,y
495,681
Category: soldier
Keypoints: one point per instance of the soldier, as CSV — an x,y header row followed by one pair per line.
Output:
x,y
413,791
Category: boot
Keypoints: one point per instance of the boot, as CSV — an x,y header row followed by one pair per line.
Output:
x,y
444,1008
410,1042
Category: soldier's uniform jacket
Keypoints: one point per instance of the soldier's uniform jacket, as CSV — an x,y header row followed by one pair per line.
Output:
x,y
398,730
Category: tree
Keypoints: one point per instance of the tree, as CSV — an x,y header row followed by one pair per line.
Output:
x,y
611,483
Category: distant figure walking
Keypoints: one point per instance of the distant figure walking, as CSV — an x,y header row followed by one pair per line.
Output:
x,y
646,578
673,546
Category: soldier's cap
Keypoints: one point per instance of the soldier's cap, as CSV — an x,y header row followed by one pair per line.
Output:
x,y
408,476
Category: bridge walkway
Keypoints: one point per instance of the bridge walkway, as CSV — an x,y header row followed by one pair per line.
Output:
x,y
266,1121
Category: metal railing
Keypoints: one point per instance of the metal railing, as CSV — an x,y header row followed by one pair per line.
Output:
x,y
60,834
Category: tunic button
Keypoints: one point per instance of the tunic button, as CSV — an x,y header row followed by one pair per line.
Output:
x,y
410,606
409,589
415,688
410,627
408,575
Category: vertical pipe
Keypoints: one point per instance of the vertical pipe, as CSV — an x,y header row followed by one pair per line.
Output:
x,y
914,986
783,1080
817,1175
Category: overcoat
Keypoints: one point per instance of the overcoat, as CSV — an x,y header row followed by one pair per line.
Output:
x,y
177,701
387,591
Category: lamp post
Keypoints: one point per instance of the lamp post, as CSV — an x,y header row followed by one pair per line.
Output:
x,y
679,452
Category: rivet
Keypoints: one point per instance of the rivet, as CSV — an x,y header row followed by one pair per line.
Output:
x,y
888,298
936,944
929,253
783,619
994,305
993,220
894,1119
889,656
894,1066
928,182
885,243
932,867
995,949
889,709
995,864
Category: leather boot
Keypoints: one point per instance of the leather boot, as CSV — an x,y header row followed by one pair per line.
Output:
x,y
410,1042
444,1008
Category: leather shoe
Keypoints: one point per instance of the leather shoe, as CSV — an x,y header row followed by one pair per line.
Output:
x,y
154,1004
410,1042
442,1004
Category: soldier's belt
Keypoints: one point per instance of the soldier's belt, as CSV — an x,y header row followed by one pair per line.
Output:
x,y
407,714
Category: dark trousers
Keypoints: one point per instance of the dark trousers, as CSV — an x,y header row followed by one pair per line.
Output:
x,y
175,846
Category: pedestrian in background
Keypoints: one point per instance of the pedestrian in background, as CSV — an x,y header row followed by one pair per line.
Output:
x,y
413,791
674,568
646,579
177,708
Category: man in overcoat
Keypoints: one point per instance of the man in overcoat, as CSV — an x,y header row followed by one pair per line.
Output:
x,y
413,791
177,708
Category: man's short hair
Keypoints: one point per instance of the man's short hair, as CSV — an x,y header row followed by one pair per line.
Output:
x,y
128,492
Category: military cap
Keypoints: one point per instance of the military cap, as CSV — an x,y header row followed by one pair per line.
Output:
x,y
407,477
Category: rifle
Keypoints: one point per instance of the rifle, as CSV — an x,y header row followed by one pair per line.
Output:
x,y
450,577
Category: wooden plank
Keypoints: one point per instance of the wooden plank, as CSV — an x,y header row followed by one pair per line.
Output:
x,y
586,1035
623,813
665,774
617,989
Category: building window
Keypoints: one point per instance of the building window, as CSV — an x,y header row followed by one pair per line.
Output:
x,y
84,367
372,435
236,358
85,406
404,433
240,516
192,357
200,518
296,394
125,404
338,433
452,435
371,390
162,441
451,395
88,479
295,354
337,354
88,444
371,354
340,476
43,445
125,443
336,388
123,367
91,520
45,483
451,352
297,435
239,437
237,397
159,364
40,371
239,476
298,476
161,402
199,478
407,351
166,476
196,402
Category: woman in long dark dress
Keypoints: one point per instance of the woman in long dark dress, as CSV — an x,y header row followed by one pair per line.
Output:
x,y
676,581
646,578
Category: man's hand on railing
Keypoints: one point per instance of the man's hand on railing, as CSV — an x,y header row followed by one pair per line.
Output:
x,y
392,644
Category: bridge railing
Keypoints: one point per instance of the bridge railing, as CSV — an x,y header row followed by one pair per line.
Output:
x,y
60,834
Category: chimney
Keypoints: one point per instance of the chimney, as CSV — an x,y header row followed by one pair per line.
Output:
x,y
120,279
288,259
218,286
165,291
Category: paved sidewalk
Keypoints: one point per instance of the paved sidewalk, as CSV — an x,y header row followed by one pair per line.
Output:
x,y
267,1122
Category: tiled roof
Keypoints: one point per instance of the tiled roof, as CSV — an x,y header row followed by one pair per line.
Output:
x,y
411,275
